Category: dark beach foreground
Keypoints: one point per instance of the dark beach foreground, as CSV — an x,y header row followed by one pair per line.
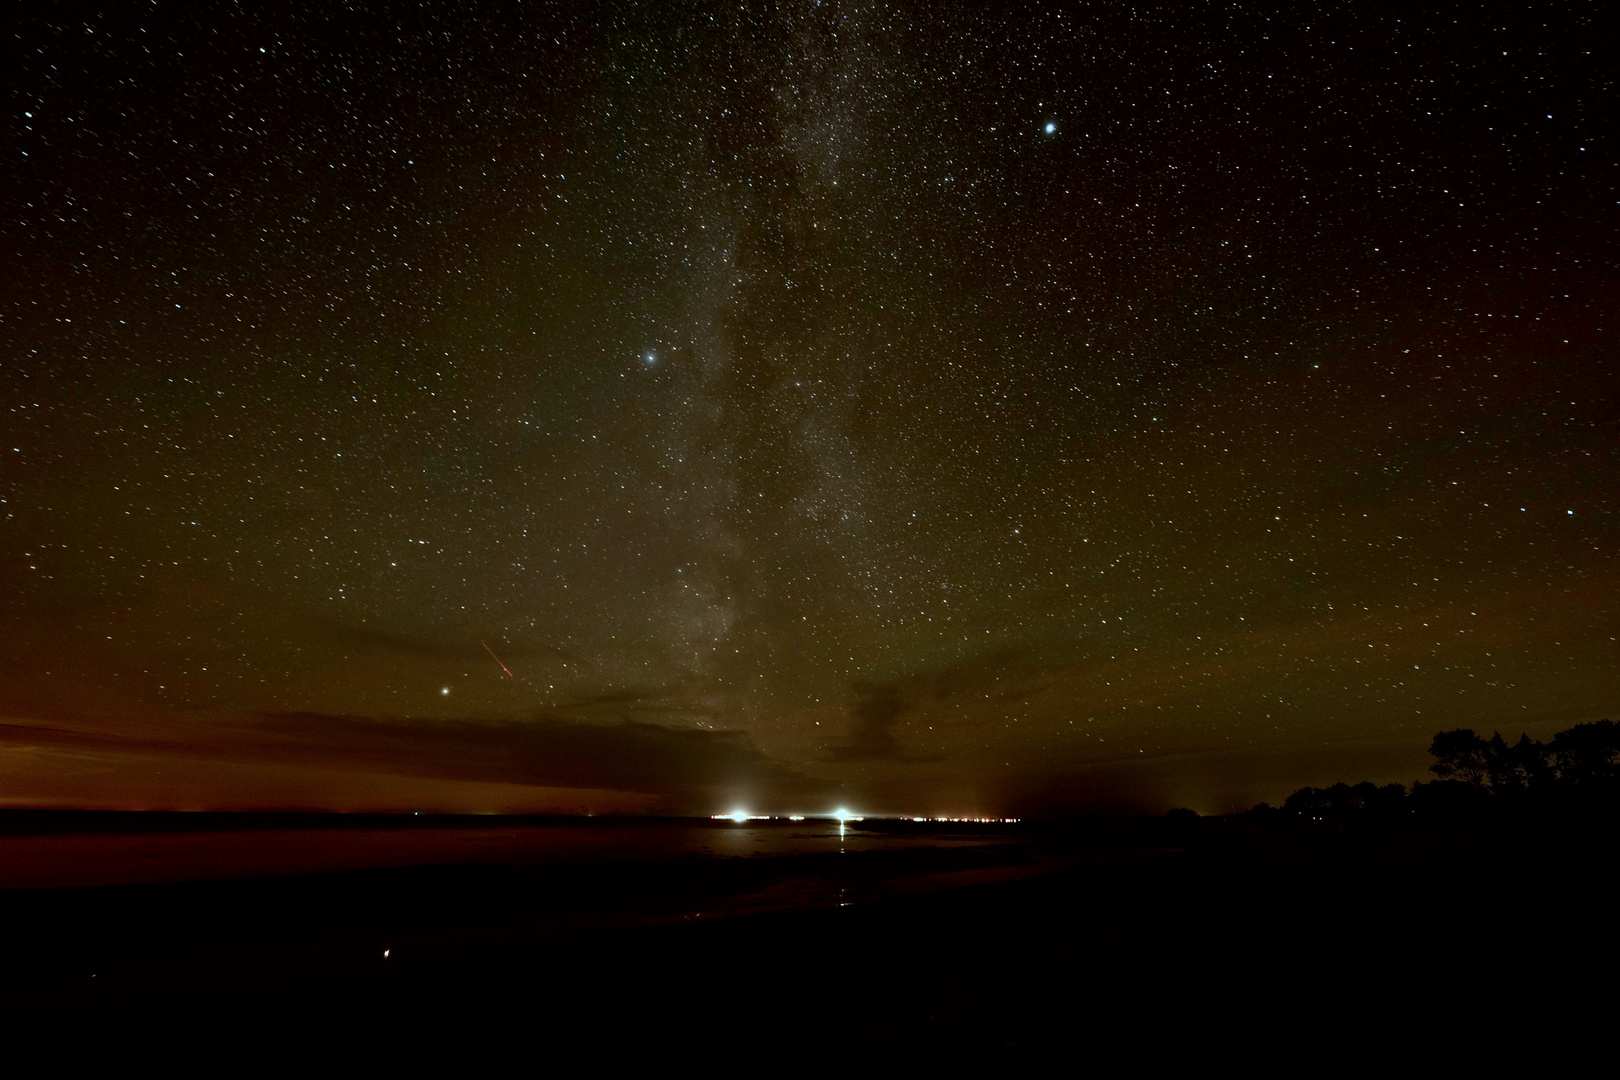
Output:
x,y
610,947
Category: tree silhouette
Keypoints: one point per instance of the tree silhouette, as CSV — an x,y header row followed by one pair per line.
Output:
x,y
1587,756
1460,755
1343,801
1574,778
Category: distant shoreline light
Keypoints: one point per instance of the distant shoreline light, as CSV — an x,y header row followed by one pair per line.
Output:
x,y
842,816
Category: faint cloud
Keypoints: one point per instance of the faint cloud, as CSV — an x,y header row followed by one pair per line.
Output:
x,y
878,707
688,768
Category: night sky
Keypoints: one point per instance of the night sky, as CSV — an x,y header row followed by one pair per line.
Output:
x,y
925,408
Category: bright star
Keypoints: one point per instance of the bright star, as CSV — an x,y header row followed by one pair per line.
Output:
x,y
1051,127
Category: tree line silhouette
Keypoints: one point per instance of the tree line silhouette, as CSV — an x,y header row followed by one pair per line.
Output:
x,y
1576,774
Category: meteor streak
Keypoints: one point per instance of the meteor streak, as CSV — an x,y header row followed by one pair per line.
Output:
x,y
497,659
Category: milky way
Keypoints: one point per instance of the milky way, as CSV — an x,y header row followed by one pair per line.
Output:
x,y
655,406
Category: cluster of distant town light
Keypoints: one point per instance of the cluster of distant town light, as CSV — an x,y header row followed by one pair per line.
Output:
x,y
844,816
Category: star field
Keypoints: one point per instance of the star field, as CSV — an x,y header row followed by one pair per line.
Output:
x,y
996,408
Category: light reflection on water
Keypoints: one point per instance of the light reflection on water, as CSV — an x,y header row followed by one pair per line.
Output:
x,y
814,883
745,840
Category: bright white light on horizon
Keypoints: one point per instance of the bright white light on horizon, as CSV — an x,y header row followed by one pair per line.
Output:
x,y
843,816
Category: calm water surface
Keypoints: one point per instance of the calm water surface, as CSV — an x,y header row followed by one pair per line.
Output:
x,y
130,857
